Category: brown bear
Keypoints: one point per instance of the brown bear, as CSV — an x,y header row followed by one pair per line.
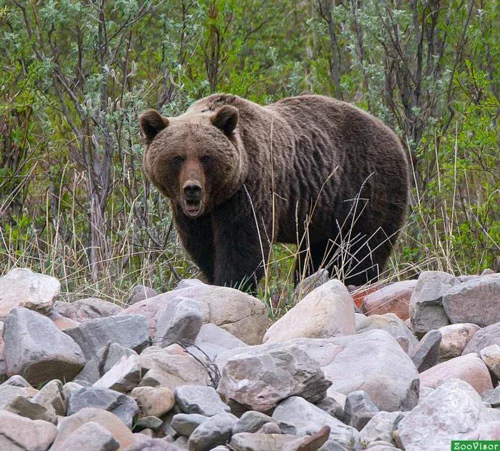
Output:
x,y
309,170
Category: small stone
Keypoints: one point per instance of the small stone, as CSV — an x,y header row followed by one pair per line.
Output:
x,y
260,377
484,337
61,322
393,298
179,322
246,441
469,368
30,409
491,357
198,399
251,421
270,428
426,353
91,436
21,287
51,396
332,407
124,407
359,409
10,392
69,388
131,331
381,427
325,312
124,376
312,442
214,431
149,422
87,309
154,444
475,301
37,349
154,401
17,381
21,433
492,397
454,338
105,419
299,417
309,284
210,333
139,293
186,423
426,303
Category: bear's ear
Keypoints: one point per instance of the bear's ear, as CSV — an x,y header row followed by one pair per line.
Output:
x,y
152,123
226,119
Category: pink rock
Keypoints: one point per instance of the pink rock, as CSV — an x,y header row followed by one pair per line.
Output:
x,y
62,322
394,298
469,368
489,431
454,338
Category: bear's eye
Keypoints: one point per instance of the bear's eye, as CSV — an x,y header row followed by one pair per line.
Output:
x,y
177,160
205,159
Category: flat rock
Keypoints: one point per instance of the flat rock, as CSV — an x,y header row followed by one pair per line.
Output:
x,y
491,357
154,401
123,376
393,298
391,324
88,308
299,417
179,322
199,399
450,412
426,303
37,349
240,314
9,392
21,287
454,338
185,423
91,436
21,405
172,370
214,431
469,368
426,353
107,420
380,427
475,301
131,331
311,442
262,376
326,311
210,333
484,337
19,433
251,421
124,407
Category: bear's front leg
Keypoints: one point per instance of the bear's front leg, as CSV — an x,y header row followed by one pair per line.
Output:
x,y
197,238
240,251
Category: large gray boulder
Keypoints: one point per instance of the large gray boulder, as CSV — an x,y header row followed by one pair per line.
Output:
x,y
260,377
475,301
37,349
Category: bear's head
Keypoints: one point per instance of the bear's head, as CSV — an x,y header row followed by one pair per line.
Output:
x,y
197,160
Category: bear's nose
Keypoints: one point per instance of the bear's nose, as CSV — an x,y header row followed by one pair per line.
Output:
x,y
192,191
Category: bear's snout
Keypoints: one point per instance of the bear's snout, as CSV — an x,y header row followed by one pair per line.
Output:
x,y
193,199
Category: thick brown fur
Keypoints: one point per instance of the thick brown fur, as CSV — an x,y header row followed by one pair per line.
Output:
x,y
308,170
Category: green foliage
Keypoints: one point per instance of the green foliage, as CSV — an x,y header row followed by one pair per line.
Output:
x,y
73,199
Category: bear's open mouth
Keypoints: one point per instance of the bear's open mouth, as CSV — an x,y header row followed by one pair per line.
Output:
x,y
193,209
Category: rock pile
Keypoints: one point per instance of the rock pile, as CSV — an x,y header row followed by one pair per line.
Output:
x,y
199,368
